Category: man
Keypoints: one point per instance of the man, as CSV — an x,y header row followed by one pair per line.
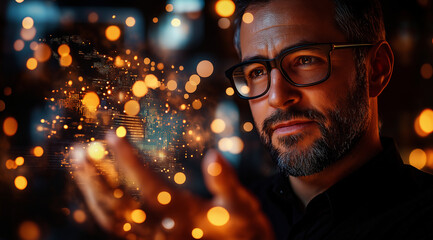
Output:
x,y
312,72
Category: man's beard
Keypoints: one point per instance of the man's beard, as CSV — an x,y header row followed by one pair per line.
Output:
x,y
348,121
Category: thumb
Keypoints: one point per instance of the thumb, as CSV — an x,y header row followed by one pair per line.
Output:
x,y
221,179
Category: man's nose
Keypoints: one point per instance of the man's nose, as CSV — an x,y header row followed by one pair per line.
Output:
x,y
281,93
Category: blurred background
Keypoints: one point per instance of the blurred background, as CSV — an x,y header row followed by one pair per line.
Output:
x,y
153,71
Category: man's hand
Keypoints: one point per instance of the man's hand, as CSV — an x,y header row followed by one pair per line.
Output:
x,y
233,213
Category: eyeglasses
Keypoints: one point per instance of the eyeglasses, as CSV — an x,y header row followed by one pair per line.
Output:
x,y
302,66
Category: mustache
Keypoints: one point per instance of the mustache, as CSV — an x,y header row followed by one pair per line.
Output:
x,y
286,115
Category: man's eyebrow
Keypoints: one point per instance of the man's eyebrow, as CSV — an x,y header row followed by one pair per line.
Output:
x,y
262,57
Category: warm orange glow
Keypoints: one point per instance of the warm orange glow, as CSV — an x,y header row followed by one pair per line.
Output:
x,y
38,151
138,216
155,20
29,230
230,91
79,216
418,158
146,61
214,169
225,144
169,7
248,127
121,131
418,129
225,8
171,85
112,33
20,182
194,79
139,89
175,22
426,121
237,145
28,34
93,17
130,21
190,87
197,233
132,107
127,227
10,126
151,81
218,125
19,1
118,193
247,18
27,22
179,178
205,68
164,198
426,71
32,63
96,151
65,61
218,216
19,45
91,101
10,164
196,104
19,161
64,50
224,23
43,52
182,107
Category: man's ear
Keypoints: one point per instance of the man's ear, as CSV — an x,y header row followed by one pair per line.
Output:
x,y
381,67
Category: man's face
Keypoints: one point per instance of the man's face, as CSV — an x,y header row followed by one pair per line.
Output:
x,y
306,128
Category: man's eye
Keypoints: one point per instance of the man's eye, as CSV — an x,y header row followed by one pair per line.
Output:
x,y
255,73
306,60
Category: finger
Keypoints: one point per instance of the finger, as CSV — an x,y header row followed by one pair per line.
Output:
x,y
150,183
222,181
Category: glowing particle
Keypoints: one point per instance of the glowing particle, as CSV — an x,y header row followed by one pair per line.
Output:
x,y
426,71
32,63
418,158
138,216
91,101
179,178
79,216
171,85
224,23
112,33
80,127
28,34
218,216
225,144
225,8
2,105
38,151
175,22
186,96
20,182
151,81
194,79
10,164
168,223
146,61
19,1
64,50
96,151
127,227
118,193
65,126
93,17
121,131
155,20
182,107
80,78
65,61
132,107
10,126
29,230
214,169
160,66
237,145
130,21
248,18
205,68
218,125
190,87
7,91
169,7
426,121
19,45
248,126
196,104
139,89
42,53
197,233
27,22
19,161
164,198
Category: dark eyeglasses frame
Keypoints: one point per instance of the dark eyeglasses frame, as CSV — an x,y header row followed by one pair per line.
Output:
x,y
277,61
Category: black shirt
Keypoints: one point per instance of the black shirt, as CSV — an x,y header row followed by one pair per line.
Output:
x,y
384,199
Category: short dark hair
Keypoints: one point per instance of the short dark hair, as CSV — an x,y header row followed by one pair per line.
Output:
x,y
359,20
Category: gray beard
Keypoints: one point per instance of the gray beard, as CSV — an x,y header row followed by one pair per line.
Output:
x,y
349,120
